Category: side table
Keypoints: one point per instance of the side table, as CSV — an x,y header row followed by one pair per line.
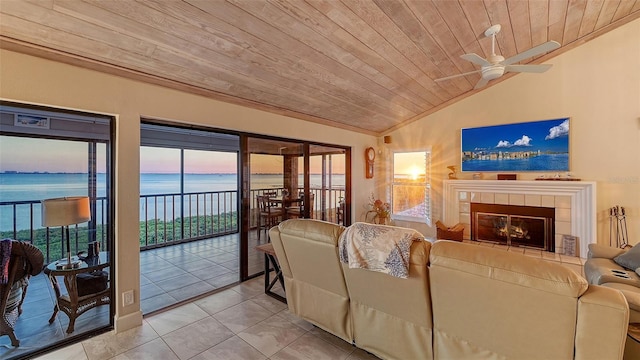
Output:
x,y
632,347
71,303
271,258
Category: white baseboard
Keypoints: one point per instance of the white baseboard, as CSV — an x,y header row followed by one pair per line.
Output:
x,y
129,321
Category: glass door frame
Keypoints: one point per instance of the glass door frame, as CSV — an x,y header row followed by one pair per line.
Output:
x,y
246,197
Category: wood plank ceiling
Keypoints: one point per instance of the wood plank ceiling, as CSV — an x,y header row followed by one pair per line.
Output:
x,y
363,65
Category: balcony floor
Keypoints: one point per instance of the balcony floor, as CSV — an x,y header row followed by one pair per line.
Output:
x,y
169,275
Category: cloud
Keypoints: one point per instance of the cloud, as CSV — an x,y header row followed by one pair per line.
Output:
x,y
524,141
558,131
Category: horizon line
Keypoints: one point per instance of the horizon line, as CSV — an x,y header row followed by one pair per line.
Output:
x,y
12,172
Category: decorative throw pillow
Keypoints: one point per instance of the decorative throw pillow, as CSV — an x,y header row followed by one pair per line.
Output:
x,y
630,259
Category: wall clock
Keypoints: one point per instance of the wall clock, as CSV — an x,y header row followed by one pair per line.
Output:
x,y
369,156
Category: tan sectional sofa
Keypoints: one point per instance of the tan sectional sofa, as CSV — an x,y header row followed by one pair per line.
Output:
x,y
601,269
460,301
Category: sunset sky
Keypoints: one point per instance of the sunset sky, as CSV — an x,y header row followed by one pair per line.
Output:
x,y
30,155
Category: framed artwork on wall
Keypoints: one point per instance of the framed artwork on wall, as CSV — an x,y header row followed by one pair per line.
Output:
x,y
528,146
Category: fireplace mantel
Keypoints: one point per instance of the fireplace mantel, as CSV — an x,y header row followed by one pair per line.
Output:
x,y
582,195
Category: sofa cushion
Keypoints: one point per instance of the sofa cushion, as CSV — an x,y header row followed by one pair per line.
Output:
x,y
518,301
630,259
504,266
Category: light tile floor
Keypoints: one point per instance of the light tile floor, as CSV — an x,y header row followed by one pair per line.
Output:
x,y
238,323
175,273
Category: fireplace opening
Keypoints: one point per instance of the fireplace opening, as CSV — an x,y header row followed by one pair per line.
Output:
x,y
513,225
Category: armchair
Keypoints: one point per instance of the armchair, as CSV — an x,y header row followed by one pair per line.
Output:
x,y
601,268
22,260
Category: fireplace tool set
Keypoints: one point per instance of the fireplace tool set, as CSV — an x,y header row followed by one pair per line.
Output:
x,y
618,220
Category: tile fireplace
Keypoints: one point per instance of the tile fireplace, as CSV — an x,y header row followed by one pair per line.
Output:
x,y
514,225
573,202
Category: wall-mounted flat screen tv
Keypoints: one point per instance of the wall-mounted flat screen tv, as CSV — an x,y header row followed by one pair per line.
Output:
x,y
529,146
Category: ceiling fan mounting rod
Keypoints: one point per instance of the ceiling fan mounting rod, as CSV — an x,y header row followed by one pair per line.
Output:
x,y
491,32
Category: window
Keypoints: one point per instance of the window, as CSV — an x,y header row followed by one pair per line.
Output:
x,y
50,153
411,186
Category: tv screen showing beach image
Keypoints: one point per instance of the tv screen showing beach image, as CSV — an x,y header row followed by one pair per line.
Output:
x,y
529,146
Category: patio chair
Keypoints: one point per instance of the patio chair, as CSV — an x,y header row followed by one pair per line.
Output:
x,y
298,211
270,215
19,260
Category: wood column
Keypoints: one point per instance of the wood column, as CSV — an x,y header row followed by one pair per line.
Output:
x,y
291,174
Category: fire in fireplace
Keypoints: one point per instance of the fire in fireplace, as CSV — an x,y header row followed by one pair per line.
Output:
x,y
513,225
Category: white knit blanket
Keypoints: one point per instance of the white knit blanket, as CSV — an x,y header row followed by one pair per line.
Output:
x,y
378,247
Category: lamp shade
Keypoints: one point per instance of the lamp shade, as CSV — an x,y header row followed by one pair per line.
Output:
x,y
65,211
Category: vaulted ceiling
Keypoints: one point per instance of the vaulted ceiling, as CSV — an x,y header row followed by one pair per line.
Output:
x,y
363,65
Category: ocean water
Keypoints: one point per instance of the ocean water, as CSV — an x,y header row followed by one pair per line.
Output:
x,y
553,162
16,187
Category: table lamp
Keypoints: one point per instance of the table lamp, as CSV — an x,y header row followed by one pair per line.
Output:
x,y
64,212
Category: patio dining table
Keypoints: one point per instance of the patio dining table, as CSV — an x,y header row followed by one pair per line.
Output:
x,y
286,201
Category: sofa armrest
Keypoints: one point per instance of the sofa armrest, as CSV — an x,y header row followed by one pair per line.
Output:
x,y
603,318
602,251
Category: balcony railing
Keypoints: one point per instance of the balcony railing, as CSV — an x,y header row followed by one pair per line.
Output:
x,y
173,218
24,220
164,219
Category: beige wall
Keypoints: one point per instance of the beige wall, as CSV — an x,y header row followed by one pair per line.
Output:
x,y
596,84
33,80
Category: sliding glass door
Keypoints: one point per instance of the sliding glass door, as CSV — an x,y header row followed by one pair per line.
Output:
x,y
189,229
47,153
289,179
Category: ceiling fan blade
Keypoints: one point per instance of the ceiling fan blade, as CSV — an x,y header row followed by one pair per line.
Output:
x,y
458,75
528,68
476,59
481,83
536,50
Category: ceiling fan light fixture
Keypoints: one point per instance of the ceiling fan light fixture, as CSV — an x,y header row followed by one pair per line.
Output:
x,y
492,72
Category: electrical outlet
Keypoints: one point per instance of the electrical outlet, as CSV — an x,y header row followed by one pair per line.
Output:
x,y
127,298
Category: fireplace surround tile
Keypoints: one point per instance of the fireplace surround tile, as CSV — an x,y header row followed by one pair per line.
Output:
x,y
487,198
563,227
516,199
563,214
563,202
575,199
533,200
548,201
465,218
502,199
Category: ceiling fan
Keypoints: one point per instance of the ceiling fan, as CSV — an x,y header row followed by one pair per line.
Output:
x,y
495,66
